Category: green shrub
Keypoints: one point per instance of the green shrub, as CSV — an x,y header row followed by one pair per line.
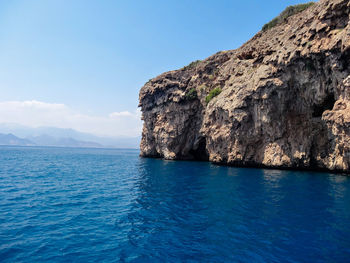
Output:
x,y
193,64
289,11
211,77
213,93
191,94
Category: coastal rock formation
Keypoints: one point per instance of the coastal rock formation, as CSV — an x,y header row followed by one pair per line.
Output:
x,y
284,101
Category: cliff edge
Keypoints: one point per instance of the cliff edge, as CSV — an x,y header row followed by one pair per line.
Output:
x,y
281,100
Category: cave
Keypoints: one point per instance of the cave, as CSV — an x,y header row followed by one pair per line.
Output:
x,y
344,59
327,104
199,151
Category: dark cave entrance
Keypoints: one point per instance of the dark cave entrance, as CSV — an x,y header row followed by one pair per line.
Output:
x,y
199,152
345,59
327,104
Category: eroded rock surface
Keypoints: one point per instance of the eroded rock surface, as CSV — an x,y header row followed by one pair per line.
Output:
x,y
285,99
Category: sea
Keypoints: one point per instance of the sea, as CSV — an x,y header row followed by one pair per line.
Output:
x,y
110,205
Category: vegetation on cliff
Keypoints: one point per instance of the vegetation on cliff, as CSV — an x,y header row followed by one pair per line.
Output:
x,y
191,94
213,93
193,64
289,11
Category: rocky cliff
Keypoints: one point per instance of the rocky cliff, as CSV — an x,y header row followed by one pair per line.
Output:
x,y
284,101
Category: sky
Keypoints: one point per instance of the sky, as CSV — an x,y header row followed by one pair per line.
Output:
x,y
81,63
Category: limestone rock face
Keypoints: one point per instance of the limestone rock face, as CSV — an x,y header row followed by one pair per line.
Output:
x,y
285,99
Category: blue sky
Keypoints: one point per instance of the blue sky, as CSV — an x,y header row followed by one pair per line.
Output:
x,y
94,56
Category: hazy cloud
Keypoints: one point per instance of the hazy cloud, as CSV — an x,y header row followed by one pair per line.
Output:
x,y
36,113
121,114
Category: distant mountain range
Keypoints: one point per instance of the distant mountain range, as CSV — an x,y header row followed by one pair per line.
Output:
x,y
45,140
14,134
10,139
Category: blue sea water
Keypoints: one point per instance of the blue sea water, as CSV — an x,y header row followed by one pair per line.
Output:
x,y
105,205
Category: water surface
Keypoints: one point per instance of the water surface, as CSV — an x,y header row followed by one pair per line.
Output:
x,y
104,205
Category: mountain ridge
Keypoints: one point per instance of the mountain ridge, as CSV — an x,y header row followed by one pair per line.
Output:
x,y
10,139
52,136
45,140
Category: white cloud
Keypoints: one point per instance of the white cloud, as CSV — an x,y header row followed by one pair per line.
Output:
x,y
121,114
36,113
39,105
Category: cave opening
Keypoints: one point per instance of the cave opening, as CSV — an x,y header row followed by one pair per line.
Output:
x,y
199,152
344,59
327,104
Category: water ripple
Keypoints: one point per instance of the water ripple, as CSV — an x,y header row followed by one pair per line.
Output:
x,y
101,205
